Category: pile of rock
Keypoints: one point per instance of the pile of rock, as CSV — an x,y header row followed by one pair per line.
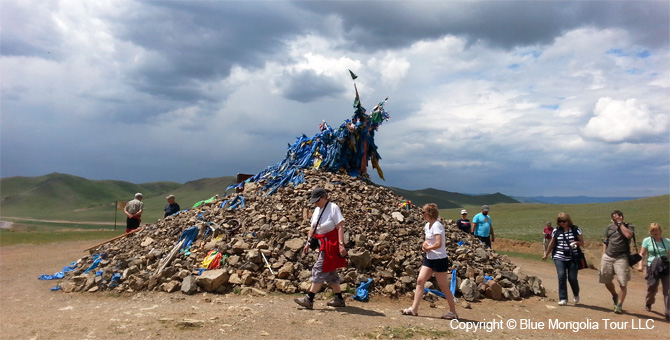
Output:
x,y
384,241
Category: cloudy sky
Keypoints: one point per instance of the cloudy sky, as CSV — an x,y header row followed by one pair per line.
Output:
x,y
554,98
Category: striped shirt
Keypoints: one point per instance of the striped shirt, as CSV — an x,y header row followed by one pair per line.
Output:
x,y
562,251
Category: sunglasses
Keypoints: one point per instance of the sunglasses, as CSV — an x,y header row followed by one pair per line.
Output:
x,y
561,221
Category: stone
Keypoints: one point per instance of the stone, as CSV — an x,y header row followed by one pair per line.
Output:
x,y
469,290
147,241
191,323
286,271
210,280
398,216
481,253
170,286
493,290
188,285
510,275
285,286
295,244
360,260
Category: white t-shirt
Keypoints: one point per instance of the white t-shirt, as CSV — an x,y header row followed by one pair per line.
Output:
x,y
436,229
332,216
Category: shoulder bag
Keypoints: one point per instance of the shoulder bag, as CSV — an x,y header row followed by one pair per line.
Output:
x,y
577,254
665,264
313,241
633,258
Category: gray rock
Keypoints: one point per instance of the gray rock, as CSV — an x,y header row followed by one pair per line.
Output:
x,y
469,290
360,260
188,285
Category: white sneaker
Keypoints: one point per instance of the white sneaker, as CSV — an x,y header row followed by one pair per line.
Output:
x,y
563,302
576,299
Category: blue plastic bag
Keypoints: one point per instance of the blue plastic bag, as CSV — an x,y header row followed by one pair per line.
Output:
x,y
362,292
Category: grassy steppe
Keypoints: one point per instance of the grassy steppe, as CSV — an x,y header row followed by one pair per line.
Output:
x,y
526,221
510,221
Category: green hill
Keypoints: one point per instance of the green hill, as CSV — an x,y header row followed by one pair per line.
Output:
x,y
65,197
451,200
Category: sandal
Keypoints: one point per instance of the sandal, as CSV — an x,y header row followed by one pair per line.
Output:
x,y
450,316
408,311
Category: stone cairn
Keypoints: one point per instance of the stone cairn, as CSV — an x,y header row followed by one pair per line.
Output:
x,y
261,244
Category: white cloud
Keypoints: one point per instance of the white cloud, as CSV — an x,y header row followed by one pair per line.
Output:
x,y
624,120
532,109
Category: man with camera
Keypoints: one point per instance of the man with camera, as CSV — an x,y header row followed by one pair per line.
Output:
x,y
614,262
327,237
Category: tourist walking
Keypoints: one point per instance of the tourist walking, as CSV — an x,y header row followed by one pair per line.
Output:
x,y
435,262
328,228
614,261
563,246
654,249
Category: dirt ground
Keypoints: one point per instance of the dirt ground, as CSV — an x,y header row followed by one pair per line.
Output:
x,y
29,310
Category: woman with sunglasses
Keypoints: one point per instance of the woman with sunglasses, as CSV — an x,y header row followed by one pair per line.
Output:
x,y
435,261
565,239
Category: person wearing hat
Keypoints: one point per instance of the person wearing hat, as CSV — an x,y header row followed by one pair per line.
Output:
x,y
463,223
133,212
172,207
328,228
482,226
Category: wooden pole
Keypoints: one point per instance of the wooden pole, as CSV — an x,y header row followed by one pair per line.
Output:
x,y
115,238
116,208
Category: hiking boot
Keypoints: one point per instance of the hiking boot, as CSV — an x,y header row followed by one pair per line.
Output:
x,y
618,309
304,301
336,302
563,302
647,308
576,299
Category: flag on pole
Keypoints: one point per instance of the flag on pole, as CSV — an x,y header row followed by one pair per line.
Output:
x,y
353,75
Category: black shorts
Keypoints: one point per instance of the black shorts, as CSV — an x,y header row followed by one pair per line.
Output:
x,y
132,223
439,266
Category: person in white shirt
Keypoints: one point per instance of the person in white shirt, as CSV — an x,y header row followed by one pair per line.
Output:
x,y
435,261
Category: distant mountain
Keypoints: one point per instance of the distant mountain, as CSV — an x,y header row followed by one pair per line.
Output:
x,y
450,200
572,199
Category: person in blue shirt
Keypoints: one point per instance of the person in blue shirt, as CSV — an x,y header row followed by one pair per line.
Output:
x,y
482,227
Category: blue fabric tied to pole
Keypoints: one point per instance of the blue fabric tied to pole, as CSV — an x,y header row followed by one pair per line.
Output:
x,y
188,236
331,149
362,291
